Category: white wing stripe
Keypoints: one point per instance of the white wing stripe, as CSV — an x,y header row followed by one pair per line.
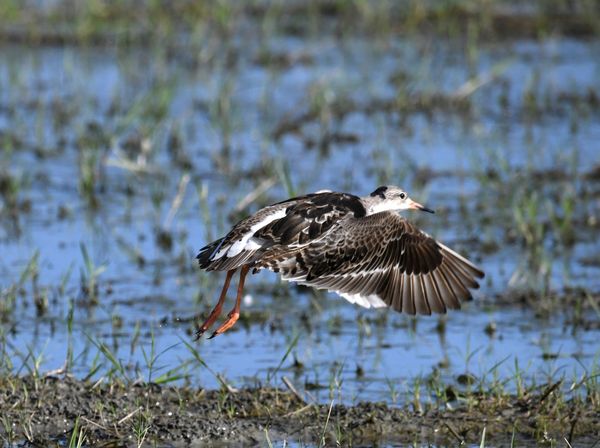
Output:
x,y
247,242
372,300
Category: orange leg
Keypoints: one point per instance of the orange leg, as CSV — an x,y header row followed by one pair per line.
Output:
x,y
216,312
234,314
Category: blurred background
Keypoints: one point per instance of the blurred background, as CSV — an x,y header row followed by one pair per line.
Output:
x,y
133,132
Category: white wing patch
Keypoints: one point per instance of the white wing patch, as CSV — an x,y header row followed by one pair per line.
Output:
x,y
220,253
372,300
247,242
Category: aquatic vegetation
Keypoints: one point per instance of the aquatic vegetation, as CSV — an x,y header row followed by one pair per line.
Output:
x,y
89,276
78,437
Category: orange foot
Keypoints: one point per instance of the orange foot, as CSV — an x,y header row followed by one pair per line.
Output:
x,y
216,312
232,318
208,322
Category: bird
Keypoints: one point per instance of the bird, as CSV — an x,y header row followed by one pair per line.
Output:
x,y
358,247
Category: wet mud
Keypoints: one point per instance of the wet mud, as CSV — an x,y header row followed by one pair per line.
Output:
x,y
46,411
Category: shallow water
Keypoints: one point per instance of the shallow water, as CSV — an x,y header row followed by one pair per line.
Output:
x,y
59,103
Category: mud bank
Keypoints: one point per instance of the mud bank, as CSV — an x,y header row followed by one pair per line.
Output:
x,y
47,411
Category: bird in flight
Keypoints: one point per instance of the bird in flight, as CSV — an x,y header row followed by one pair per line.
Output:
x,y
358,247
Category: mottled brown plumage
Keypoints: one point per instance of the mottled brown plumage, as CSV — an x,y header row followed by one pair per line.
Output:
x,y
360,248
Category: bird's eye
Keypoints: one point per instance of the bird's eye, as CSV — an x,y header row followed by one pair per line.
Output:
x,y
402,195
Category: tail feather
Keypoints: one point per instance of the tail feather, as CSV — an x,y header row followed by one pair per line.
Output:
x,y
205,255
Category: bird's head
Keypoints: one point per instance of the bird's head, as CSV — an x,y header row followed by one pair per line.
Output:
x,y
391,198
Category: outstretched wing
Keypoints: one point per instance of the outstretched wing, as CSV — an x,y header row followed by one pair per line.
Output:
x,y
381,260
289,224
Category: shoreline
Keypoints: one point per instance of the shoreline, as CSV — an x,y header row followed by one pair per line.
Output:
x,y
52,410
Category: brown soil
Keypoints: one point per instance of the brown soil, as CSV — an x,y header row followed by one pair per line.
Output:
x,y
43,411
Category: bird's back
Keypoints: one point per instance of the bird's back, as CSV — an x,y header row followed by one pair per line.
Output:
x,y
296,221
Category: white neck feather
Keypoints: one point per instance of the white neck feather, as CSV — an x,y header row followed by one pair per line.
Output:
x,y
381,206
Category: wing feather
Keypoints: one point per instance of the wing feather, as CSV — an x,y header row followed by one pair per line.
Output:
x,y
408,304
383,255
439,305
448,289
435,303
396,302
421,303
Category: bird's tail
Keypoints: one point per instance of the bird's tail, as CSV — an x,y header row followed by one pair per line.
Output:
x,y
204,257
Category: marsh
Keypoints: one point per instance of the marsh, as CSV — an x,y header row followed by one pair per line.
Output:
x,y
131,137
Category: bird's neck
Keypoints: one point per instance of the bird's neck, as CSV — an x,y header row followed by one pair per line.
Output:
x,y
377,205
